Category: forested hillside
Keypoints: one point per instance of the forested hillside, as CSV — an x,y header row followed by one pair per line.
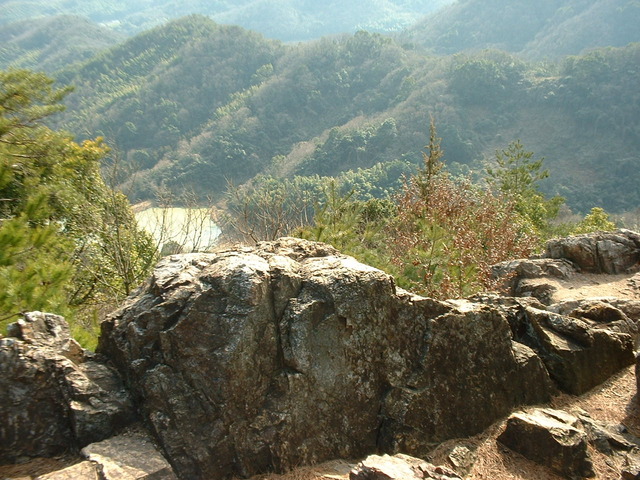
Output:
x,y
431,167
285,20
192,105
545,29
51,43
160,87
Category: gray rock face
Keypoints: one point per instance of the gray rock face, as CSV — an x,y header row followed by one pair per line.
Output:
x,y
54,397
514,273
290,353
549,437
603,252
580,349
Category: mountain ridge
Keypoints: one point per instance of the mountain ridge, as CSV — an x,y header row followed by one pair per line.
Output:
x,y
193,104
281,19
537,31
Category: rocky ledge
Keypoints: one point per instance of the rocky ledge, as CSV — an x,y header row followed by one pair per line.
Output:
x,y
260,359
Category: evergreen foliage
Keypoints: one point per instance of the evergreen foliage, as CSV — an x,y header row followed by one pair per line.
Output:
x,y
68,241
193,105
516,177
596,221
438,236
448,232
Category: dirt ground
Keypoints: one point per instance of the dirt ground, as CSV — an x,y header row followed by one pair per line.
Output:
x,y
612,402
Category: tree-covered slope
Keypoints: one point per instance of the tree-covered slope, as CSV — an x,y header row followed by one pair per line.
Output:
x,y
192,105
52,43
539,30
285,20
157,88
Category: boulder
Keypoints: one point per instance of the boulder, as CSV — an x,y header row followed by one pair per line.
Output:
x,y
462,458
129,456
47,330
55,396
289,353
637,372
539,289
617,314
399,467
601,252
512,273
631,471
549,437
578,352
608,438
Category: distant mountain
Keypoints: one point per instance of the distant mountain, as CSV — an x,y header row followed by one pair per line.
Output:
x,y
192,105
52,43
159,87
287,20
538,30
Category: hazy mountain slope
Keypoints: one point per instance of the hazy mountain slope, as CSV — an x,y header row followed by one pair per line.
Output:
x,y
193,104
542,29
572,30
160,86
289,20
52,43
476,24
310,89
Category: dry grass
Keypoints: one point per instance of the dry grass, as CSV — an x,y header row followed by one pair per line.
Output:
x,y
37,466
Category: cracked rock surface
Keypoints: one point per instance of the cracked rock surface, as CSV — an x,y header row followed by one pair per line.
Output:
x,y
290,353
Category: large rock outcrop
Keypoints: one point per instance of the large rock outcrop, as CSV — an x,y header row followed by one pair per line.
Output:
x,y
55,396
580,348
291,353
602,252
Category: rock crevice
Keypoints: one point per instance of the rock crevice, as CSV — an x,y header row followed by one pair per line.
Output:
x,y
291,353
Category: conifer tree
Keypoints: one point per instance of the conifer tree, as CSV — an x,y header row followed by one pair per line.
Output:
x,y
66,239
517,176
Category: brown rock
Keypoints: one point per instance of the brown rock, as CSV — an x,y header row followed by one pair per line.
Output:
x,y
608,438
541,290
551,438
48,330
127,456
637,372
632,470
579,353
514,273
79,471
